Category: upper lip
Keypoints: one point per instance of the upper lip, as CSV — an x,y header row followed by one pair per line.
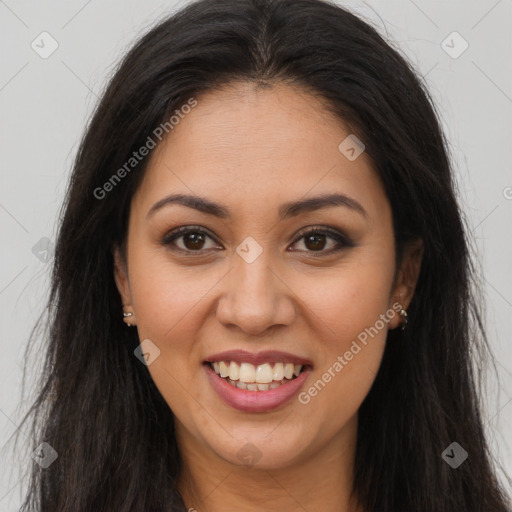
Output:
x,y
266,356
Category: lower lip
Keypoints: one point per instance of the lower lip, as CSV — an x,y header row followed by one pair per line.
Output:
x,y
255,401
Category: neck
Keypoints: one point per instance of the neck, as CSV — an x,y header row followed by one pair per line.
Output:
x,y
320,480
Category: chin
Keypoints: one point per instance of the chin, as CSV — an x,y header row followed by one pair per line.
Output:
x,y
261,449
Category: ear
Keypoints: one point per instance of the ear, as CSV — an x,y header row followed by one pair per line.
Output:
x,y
121,277
407,278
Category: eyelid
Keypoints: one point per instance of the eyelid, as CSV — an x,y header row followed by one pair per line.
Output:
x,y
179,232
334,232
341,238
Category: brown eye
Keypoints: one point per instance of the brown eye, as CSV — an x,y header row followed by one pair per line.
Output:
x,y
317,240
193,240
188,239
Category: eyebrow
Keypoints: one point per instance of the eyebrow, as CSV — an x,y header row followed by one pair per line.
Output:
x,y
286,210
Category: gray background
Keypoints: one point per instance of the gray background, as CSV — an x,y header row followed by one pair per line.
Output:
x,y
44,103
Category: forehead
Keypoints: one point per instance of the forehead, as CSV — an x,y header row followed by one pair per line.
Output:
x,y
249,145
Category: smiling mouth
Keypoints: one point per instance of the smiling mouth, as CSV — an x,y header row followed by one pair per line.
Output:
x,y
262,377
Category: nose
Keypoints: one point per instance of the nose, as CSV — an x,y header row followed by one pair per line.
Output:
x,y
255,298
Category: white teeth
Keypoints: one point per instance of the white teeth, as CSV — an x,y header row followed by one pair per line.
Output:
x,y
247,372
234,371
264,374
255,387
224,369
288,370
256,378
278,371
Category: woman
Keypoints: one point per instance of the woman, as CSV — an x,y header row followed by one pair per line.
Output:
x,y
262,294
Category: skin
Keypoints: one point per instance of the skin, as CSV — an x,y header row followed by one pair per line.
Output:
x,y
253,148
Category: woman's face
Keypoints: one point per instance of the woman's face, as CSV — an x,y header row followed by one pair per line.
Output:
x,y
270,271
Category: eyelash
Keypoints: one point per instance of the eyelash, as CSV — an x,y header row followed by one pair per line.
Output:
x,y
342,240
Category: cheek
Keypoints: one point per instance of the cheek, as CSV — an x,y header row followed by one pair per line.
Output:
x,y
352,339
350,298
172,303
166,296
170,306
351,314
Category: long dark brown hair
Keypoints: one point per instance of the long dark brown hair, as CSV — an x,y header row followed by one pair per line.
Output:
x,y
98,407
